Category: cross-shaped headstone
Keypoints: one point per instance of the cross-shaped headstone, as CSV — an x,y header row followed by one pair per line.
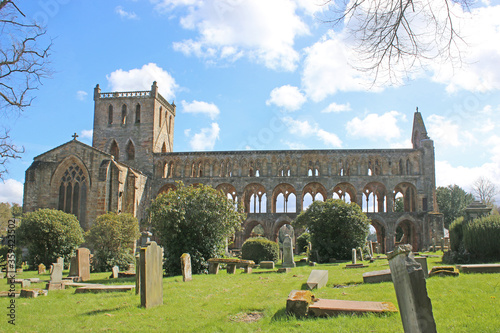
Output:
x,y
74,136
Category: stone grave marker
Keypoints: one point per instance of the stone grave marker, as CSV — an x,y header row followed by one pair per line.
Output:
x,y
353,256
302,302
186,267
267,264
423,262
60,260
56,277
151,275
317,279
137,274
288,253
114,272
409,283
377,276
41,269
485,268
80,264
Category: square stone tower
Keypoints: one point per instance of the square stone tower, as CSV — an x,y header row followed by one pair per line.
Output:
x,y
133,125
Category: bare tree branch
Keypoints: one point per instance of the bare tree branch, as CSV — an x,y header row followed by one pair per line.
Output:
x,y
394,36
485,190
24,53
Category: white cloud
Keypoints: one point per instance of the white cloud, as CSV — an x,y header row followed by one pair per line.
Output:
x,y
447,133
205,139
327,69
263,31
334,107
80,95
294,145
11,191
187,132
124,14
304,128
196,107
287,97
374,126
86,134
142,79
480,29
402,145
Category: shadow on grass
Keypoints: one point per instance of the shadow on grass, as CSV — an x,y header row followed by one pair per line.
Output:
x,y
129,280
280,315
96,312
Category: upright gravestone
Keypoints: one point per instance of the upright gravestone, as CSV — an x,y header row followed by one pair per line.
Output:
x,y
55,282
137,274
186,267
41,269
60,260
151,275
114,272
80,264
288,253
370,244
354,256
409,283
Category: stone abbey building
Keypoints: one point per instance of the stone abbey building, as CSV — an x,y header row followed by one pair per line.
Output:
x,y
131,161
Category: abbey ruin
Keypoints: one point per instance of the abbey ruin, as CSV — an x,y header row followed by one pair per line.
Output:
x,y
132,160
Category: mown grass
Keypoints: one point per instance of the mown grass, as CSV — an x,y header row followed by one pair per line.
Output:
x,y
231,303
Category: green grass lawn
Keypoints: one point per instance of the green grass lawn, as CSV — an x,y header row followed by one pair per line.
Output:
x,y
253,302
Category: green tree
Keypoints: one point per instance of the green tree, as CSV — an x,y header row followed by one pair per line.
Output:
x,y
399,205
49,234
16,210
5,216
195,220
112,238
452,201
335,228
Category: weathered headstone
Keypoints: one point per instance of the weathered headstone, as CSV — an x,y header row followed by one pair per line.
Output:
x,y
370,248
423,262
288,252
186,267
377,276
151,275
302,302
317,279
360,253
137,274
60,260
114,272
56,277
41,269
409,283
486,268
353,256
267,264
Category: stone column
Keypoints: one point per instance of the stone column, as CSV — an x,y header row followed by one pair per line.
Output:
x,y
409,283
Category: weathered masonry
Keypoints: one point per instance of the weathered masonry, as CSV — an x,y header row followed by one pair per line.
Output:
x,y
131,161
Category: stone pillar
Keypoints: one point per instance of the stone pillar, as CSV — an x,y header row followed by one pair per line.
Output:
x,y
409,283
186,267
354,256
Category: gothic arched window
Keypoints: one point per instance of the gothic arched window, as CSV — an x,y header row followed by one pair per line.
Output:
x,y
73,192
130,149
114,150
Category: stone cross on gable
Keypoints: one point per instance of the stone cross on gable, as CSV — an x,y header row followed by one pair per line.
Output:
x,y
74,136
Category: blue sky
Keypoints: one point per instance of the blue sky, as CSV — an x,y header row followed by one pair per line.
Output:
x,y
260,75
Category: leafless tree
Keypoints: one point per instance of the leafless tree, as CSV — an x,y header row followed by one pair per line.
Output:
x,y
394,36
23,64
484,190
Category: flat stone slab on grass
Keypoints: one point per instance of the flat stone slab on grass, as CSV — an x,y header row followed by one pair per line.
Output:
x,y
317,279
444,271
104,289
334,307
377,276
82,284
267,264
487,268
355,266
302,302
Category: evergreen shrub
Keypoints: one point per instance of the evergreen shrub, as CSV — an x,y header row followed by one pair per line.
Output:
x,y
303,241
260,249
456,234
481,237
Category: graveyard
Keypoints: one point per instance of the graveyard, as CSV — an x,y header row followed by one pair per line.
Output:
x,y
243,302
